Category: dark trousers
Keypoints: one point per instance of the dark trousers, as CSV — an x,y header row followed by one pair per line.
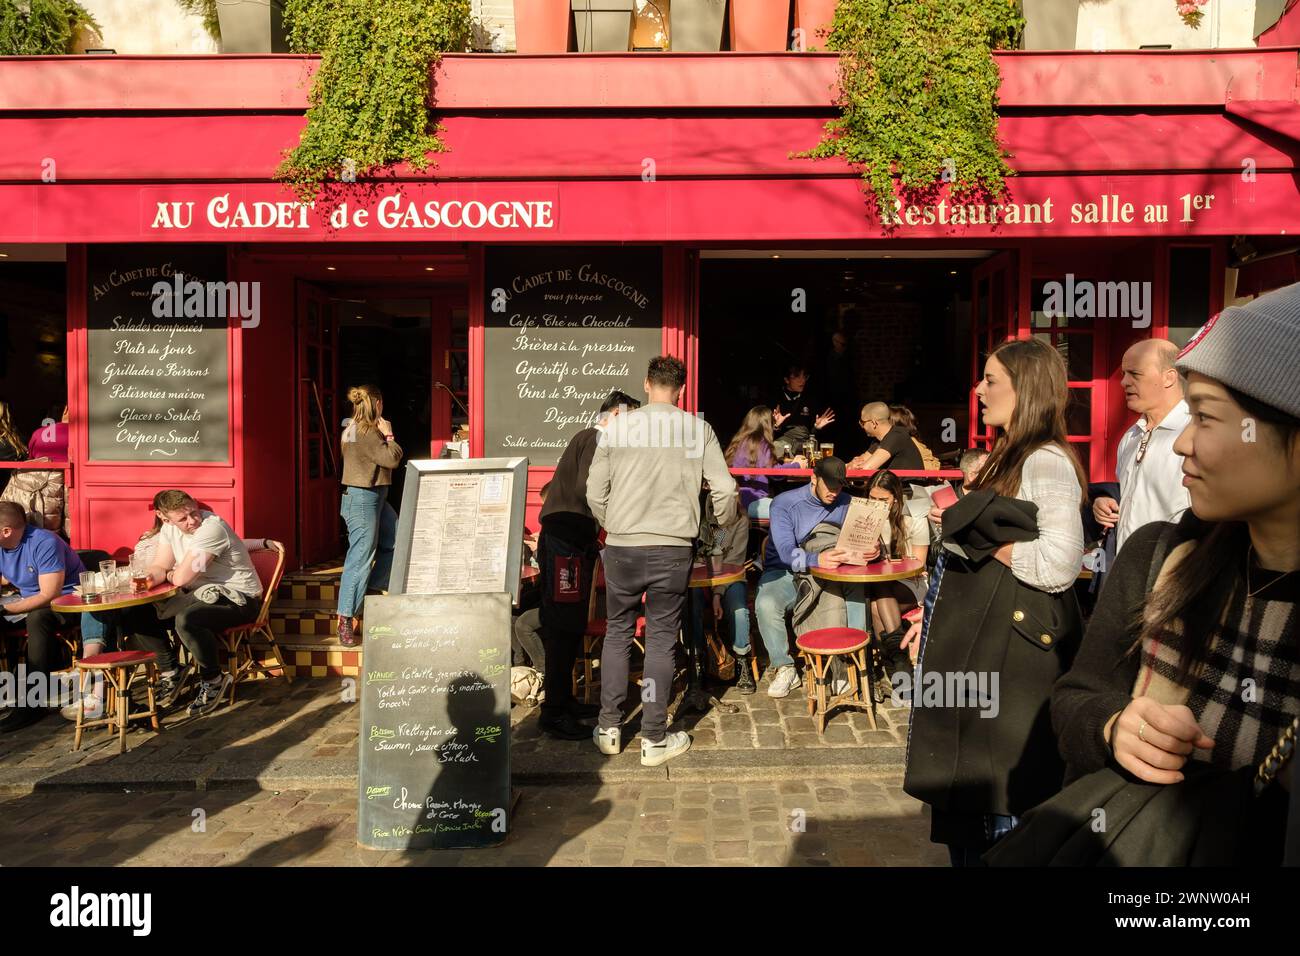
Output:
x,y
661,573
45,651
568,566
197,627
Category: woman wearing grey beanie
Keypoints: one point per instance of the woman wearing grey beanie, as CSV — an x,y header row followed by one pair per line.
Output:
x,y
1187,686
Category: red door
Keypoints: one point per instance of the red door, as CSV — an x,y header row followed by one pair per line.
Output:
x,y
319,427
995,304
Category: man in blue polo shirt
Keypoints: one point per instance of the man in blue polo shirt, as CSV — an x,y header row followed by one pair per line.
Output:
x,y
41,566
794,515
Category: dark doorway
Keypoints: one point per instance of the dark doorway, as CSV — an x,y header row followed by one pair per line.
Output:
x,y
906,321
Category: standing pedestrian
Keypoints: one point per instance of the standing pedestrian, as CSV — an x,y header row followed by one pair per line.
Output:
x,y
566,555
1149,470
644,489
370,454
1005,614
1180,713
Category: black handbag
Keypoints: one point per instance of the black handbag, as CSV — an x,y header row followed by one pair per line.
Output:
x,y
1212,817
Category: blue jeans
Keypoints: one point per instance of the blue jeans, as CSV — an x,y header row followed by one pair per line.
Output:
x,y
735,611
94,630
372,531
776,596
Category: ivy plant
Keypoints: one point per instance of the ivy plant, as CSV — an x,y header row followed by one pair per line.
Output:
x,y
918,96
205,10
368,105
41,27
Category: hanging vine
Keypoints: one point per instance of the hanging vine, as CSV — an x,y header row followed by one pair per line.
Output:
x,y
919,95
41,27
369,100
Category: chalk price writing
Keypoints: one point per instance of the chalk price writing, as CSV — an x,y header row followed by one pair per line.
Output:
x,y
487,653
487,734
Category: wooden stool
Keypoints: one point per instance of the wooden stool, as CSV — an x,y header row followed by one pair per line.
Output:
x,y
119,669
819,649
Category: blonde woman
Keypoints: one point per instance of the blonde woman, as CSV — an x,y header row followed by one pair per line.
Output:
x,y
369,456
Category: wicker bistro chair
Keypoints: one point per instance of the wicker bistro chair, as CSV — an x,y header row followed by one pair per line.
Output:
x,y
236,641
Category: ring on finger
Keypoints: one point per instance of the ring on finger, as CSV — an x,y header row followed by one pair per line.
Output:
x,y
1141,730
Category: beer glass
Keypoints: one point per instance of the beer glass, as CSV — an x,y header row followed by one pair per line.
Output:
x,y
139,575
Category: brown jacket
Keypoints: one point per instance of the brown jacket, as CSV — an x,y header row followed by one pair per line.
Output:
x,y
368,460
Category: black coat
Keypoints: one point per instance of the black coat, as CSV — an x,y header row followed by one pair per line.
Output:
x,y
986,622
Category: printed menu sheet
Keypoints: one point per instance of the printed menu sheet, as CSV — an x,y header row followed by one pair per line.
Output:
x,y
461,534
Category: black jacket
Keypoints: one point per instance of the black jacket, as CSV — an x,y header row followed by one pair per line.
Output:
x,y
986,622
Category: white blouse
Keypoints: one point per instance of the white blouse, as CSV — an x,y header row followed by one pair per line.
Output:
x,y
1051,562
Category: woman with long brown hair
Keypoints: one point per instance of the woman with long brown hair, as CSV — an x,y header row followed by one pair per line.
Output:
x,y
905,536
12,446
751,447
981,749
1189,674
369,456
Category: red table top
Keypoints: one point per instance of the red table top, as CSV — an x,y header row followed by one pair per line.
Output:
x,y
72,603
875,571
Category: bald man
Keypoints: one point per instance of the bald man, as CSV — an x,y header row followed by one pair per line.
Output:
x,y
893,448
1150,474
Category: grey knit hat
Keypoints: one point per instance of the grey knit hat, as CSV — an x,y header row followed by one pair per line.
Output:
x,y
1254,348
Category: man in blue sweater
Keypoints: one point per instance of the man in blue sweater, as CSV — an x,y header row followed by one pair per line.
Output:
x,y
793,517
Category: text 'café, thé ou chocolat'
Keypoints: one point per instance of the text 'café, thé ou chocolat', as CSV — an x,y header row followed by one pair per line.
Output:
x,y
500,296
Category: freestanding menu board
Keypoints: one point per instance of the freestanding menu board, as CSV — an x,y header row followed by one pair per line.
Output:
x,y
461,527
159,387
435,722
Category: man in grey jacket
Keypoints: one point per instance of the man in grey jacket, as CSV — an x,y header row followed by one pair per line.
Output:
x,y
644,490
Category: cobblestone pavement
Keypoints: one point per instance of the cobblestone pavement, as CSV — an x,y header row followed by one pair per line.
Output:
x,y
817,822
307,731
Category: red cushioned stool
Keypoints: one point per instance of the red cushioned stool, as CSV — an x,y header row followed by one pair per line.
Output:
x,y
119,669
819,649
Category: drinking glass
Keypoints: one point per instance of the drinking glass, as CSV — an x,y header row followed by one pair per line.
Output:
x,y
827,449
139,575
89,588
108,576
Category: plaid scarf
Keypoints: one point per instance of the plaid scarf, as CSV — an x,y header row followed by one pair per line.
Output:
x,y
1259,642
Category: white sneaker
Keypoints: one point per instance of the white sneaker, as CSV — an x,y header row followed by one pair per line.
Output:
x,y
786,679
652,755
608,741
841,686
94,708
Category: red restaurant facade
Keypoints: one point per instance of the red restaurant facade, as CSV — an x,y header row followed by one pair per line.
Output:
x,y
1155,168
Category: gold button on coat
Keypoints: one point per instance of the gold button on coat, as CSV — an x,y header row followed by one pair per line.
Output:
x,y
1018,616
1045,638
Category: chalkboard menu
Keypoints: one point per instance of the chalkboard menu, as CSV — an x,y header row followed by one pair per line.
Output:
x,y
461,527
564,326
159,363
435,722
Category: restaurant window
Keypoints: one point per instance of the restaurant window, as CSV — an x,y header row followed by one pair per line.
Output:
x,y
1189,291
33,343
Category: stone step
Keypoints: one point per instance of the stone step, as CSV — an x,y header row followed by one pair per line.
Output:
x,y
311,584
293,620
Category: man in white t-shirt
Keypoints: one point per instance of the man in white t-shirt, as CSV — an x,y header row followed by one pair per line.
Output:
x,y
219,588
1150,473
